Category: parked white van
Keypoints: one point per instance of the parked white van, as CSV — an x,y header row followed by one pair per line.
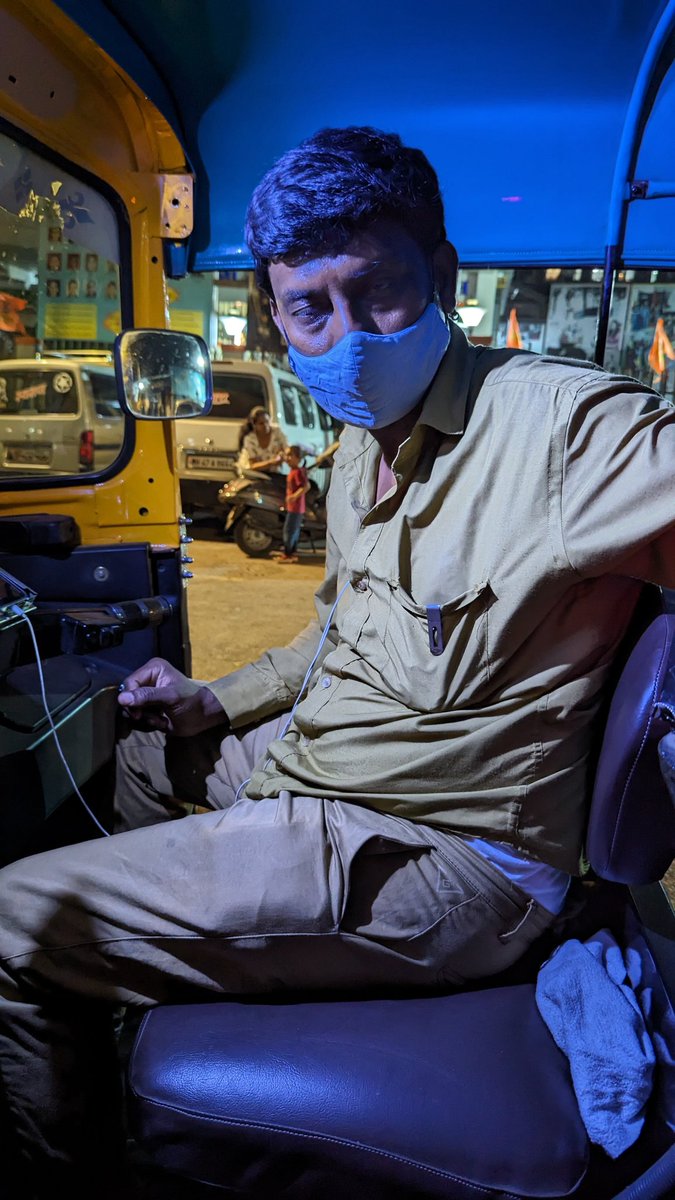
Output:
x,y
208,447
59,416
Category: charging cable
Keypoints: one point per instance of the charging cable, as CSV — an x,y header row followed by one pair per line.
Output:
x,y
303,685
308,673
15,608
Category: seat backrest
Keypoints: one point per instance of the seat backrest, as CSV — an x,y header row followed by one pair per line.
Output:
x,y
631,830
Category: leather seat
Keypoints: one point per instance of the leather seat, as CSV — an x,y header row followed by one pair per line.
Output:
x,y
464,1095
455,1096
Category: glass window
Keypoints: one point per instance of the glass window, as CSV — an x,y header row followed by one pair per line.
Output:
x,y
556,311
59,312
235,395
288,399
328,423
307,406
641,331
29,392
103,387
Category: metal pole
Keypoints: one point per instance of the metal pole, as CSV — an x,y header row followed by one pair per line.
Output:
x,y
611,262
642,98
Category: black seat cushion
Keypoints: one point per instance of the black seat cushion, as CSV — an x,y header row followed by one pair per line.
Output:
x,y
463,1096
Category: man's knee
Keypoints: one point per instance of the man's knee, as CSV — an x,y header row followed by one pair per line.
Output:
x,y
23,905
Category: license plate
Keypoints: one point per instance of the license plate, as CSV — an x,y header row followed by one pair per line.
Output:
x,y
209,462
28,455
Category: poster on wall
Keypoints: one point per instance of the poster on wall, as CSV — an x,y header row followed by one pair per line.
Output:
x,y
531,335
80,293
190,303
616,329
572,320
648,302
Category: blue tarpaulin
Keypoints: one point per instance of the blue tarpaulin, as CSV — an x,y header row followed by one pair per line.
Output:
x,y
524,110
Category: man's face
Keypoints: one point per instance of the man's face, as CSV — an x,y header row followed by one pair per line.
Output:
x,y
381,282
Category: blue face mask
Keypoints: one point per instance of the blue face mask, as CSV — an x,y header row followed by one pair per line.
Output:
x,y
374,379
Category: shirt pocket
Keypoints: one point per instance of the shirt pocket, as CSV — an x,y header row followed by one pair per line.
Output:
x,y
436,655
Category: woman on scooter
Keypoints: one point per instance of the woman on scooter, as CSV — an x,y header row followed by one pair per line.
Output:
x,y
263,446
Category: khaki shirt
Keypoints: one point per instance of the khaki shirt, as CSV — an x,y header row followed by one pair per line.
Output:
x,y
528,525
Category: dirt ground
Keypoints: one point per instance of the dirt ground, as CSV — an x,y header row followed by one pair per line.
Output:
x,y
239,606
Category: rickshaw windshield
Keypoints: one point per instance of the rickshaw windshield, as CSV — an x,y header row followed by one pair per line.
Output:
x,y
59,313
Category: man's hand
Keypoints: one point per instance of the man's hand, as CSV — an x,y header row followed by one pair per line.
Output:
x,y
157,696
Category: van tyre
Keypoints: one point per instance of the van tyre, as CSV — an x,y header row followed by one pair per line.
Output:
x,y
253,541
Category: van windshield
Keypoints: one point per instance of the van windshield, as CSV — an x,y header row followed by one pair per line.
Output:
x,y
235,395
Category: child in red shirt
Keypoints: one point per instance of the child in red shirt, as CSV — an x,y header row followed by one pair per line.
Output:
x,y
297,486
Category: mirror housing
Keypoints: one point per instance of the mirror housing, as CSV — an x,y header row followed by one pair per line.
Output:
x,y
162,374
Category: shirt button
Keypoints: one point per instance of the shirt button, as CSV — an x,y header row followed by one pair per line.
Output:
x,y
325,681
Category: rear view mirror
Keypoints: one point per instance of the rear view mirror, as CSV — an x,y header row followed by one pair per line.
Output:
x,y
162,375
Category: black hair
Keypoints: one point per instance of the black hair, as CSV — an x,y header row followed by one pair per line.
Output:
x,y
317,196
248,423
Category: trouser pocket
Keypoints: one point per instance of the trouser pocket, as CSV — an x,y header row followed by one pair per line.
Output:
x,y
446,910
398,892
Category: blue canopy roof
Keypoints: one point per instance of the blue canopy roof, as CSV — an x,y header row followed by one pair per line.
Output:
x,y
531,113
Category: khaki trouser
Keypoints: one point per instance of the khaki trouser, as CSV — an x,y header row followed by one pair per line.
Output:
x,y
256,896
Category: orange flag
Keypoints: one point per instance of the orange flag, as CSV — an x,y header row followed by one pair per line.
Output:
x,y
513,337
661,347
10,307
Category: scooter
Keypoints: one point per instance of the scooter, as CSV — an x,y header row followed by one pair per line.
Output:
x,y
256,510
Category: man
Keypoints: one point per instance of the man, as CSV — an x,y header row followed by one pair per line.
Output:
x,y
416,816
